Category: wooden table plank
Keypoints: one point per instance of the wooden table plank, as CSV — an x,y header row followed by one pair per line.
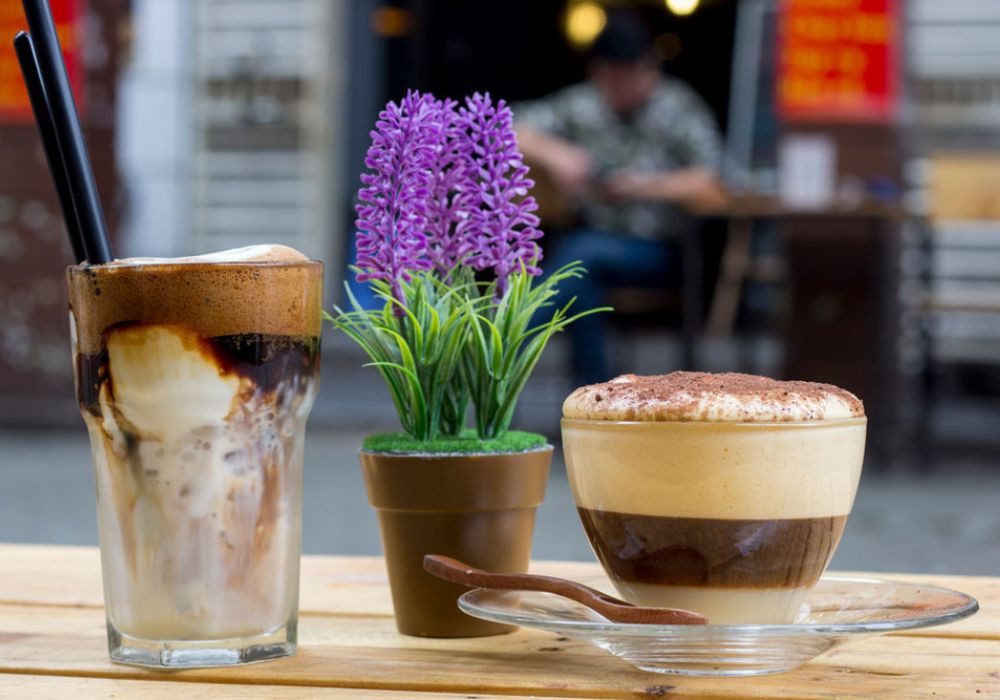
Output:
x,y
329,585
62,687
358,586
367,653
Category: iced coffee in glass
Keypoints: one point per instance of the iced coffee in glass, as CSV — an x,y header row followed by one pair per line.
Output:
x,y
725,494
195,377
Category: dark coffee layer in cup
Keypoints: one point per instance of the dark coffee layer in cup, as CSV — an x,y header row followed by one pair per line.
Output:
x,y
266,360
772,553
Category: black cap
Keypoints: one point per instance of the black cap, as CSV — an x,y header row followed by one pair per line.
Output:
x,y
624,39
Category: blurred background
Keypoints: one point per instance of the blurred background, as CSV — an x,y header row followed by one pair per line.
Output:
x,y
857,242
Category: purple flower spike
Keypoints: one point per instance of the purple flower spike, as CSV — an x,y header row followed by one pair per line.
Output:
x,y
502,232
453,194
446,186
393,214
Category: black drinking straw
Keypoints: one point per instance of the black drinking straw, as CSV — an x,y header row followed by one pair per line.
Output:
x,y
43,117
66,126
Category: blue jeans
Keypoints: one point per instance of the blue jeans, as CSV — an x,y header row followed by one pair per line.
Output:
x,y
612,260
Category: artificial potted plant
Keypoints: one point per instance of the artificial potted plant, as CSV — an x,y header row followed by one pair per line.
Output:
x,y
447,239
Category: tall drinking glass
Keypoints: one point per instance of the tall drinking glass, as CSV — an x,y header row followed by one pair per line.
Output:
x,y
195,378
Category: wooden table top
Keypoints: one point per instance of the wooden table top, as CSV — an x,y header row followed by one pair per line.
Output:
x,y
743,205
52,644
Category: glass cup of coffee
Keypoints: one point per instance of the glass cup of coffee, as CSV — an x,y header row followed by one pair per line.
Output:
x,y
195,377
725,494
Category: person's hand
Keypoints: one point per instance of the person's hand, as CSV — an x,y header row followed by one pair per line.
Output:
x,y
696,189
627,184
571,168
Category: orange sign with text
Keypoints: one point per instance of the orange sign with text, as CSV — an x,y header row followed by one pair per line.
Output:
x,y
838,60
68,15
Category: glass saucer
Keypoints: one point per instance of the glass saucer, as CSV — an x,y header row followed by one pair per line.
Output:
x,y
837,610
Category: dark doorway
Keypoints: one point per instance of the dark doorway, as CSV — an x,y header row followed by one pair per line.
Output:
x,y
516,49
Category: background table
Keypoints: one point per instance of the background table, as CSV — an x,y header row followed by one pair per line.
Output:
x,y
52,644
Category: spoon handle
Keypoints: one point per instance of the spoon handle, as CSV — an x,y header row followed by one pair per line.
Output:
x,y
459,572
608,606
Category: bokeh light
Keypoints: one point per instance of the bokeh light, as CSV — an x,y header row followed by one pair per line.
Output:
x,y
391,22
682,7
584,21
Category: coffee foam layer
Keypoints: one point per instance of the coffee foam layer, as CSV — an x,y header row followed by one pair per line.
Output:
x,y
702,396
272,290
267,253
715,470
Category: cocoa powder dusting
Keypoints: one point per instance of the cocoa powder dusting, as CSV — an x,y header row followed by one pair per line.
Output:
x,y
703,396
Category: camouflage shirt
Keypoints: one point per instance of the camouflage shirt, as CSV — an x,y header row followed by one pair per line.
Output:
x,y
673,130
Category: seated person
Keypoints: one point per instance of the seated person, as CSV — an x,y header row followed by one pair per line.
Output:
x,y
632,149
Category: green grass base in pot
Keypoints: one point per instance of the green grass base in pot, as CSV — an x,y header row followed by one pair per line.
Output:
x,y
467,443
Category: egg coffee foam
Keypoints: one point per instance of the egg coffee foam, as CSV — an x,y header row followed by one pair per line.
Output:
x,y
726,494
195,377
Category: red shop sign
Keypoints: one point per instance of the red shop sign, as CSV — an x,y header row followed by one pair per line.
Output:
x,y
68,15
838,60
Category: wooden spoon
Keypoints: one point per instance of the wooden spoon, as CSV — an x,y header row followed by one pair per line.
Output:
x,y
613,609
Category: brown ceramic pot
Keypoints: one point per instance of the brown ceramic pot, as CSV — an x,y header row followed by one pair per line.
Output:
x,y
479,509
